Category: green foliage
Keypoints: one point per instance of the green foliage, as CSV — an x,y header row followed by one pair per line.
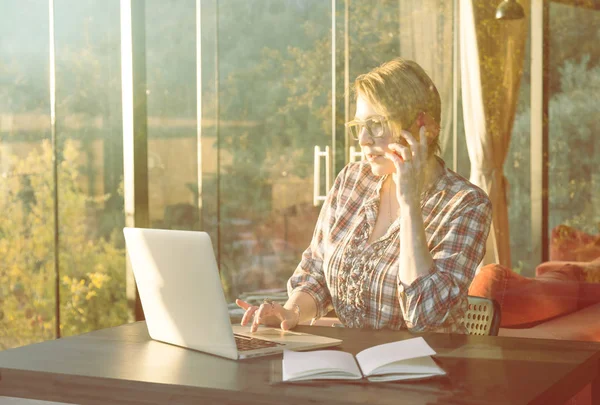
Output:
x,y
92,270
285,85
574,154
277,76
574,184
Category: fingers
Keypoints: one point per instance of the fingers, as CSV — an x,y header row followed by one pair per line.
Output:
x,y
260,313
278,311
396,160
419,147
242,304
416,150
423,139
410,139
250,309
403,151
248,315
406,153
257,314
264,311
285,323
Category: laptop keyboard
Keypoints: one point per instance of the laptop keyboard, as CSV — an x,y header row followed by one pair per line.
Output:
x,y
245,343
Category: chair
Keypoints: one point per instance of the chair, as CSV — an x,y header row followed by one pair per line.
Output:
x,y
483,316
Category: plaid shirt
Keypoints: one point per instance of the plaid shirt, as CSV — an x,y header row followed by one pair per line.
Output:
x,y
340,270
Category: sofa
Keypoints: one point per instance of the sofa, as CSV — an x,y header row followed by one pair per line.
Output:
x,y
558,303
562,301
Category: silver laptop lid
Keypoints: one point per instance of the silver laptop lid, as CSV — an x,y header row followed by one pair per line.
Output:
x,y
179,285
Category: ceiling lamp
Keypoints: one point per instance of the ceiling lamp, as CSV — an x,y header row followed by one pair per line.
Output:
x,y
509,10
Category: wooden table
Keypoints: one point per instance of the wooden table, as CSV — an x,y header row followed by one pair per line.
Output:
x,y
122,365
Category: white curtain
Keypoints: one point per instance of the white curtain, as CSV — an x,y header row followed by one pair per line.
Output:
x,y
491,57
425,28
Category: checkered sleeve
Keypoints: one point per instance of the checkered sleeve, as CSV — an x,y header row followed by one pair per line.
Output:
x,y
309,276
436,301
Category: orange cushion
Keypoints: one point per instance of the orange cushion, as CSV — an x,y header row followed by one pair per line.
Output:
x,y
589,291
570,244
528,301
591,270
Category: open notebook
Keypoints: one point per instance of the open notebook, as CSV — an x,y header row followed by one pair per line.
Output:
x,y
403,360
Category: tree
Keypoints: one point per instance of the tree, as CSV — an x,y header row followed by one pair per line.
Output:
x,y
92,282
574,187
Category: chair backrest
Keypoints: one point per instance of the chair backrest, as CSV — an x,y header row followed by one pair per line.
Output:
x,y
483,316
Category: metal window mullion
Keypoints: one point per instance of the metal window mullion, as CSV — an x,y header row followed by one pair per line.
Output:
x,y
199,110
540,36
218,132
455,82
52,82
545,216
346,79
333,85
135,127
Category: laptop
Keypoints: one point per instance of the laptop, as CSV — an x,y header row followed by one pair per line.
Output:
x,y
183,300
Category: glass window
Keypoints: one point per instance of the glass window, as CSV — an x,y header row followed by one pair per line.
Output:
x,y
90,166
259,76
171,97
26,239
274,106
267,101
574,105
90,170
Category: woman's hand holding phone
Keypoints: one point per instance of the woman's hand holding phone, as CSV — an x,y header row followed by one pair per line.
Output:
x,y
410,158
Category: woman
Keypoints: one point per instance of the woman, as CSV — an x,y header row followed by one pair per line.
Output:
x,y
400,236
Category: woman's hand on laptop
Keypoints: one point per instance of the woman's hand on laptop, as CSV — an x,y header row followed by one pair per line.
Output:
x,y
268,313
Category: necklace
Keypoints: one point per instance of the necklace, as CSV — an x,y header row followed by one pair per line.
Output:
x,y
391,218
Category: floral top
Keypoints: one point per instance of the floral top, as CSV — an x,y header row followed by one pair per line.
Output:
x,y
341,270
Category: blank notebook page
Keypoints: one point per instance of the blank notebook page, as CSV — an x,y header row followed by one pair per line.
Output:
x,y
298,364
374,357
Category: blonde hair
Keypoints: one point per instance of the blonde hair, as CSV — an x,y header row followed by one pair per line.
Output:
x,y
399,90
